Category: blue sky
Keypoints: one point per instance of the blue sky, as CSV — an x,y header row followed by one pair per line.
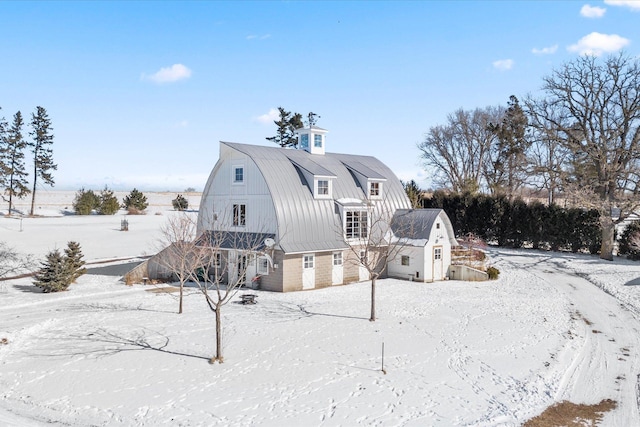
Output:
x,y
140,93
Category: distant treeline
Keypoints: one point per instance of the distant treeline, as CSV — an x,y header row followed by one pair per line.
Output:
x,y
516,224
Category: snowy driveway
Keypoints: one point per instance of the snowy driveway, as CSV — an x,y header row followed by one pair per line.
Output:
x,y
600,360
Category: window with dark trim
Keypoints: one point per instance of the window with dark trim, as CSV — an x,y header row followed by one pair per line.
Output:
x,y
239,215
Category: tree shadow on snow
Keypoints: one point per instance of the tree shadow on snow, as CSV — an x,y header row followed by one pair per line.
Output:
x,y
120,342
29,288
634,282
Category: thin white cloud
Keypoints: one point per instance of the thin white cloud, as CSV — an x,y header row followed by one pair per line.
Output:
x,y
503,64
545,50
597,43
631,4
268,118
254,37
589,11
182,124
169,74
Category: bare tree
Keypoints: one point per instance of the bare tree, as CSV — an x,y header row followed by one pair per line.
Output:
x,y
594,109
548,157
11,262
458,150
369,235
179,255
216,261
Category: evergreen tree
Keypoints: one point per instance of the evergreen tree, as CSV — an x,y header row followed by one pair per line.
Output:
x,y
414,193
74,264
287,124
108,203
85,202
53,275
135,200
3,152
13,162
180,203
42,153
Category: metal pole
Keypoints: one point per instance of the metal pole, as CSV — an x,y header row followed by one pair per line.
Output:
x,y
383,371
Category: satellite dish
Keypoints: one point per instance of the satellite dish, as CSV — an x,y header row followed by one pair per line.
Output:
x,y
269,242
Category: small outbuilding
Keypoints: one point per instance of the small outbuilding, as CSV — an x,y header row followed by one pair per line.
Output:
x,y
425,238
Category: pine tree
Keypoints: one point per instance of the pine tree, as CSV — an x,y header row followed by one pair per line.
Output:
x,y
85,202
108,203
41,148
74,264
135,200
180,203
53,275
3,152
13,156
287,124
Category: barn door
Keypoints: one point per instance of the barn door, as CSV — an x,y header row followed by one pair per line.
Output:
x,y
437,263
337,273
308,271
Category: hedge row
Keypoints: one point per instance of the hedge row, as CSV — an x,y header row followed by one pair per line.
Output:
x,y
514,223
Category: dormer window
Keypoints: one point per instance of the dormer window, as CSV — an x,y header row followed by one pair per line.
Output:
x,y
322,188
317,141
375,189
304,141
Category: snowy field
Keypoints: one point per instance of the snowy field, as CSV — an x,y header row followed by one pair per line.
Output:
x,y
553,327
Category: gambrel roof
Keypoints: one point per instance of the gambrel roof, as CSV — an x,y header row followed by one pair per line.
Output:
x,y
416,224
305,223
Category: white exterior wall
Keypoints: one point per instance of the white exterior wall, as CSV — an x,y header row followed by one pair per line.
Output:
x,y
416,264
221,193
421,258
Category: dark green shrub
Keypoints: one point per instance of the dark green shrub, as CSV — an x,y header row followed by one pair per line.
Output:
x,y
74,264
180,203
493,273
108,203
625,244
85,202
135,202
59,271
53,275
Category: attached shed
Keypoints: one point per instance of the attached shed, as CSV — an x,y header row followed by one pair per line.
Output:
x,y
425,239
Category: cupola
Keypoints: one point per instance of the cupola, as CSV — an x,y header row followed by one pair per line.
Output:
x,y
311,139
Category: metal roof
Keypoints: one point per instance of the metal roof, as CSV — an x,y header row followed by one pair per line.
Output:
x,y
417,224
306,224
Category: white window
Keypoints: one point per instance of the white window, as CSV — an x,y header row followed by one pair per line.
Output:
x,y
437,253
317,141
263,266
307,261
218,260
405,260
374,189
323,188
337,258
304,141
237,174
356,224
239,215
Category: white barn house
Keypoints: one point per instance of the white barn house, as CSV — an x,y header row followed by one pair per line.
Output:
x,y
308,206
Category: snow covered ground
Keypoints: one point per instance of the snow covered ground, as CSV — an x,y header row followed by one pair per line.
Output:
x,y
553,327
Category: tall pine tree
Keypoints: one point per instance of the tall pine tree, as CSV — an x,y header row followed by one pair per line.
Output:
x,y
42,153
16,181
3,151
